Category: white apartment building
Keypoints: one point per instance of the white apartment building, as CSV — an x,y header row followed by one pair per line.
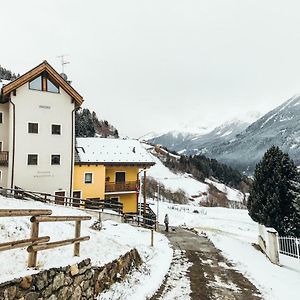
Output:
x,y
37,132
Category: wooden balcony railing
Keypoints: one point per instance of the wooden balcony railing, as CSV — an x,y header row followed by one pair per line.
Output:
x,y
126,186
3,158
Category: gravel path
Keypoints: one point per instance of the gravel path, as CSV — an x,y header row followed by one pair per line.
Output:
x,y
199,271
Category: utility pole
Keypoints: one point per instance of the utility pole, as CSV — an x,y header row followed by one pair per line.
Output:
x,y
145,201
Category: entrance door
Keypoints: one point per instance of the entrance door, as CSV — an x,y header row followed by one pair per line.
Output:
x,y
60,200
76,202
120,176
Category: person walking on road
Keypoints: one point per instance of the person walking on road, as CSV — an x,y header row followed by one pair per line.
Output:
x,y
166,221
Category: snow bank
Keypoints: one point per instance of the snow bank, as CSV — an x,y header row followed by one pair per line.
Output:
x,y
112,241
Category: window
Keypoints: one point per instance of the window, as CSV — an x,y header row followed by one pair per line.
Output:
x,y
1,146
55,159
1,118
33,128
0,176
36,84
52,87
88,177
120,176
32,159
56,129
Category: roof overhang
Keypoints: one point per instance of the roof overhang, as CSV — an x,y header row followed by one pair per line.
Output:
x,y
43,67
115,164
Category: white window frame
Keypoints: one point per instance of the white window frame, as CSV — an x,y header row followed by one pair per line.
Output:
x,y
92,178
1,146
38,159
33,123
2,113
59,159
60,129
0,175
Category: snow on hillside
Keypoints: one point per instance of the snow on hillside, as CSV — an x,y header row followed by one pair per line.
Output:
x,y
187,183
103,247
174,181
233,232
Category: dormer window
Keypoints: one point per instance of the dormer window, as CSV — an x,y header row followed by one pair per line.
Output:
x,y
36,84
44,83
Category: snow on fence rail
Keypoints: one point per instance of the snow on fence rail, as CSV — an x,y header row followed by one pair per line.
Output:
x,y
36,243
289,246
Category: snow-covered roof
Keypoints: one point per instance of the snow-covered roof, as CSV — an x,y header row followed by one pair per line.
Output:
x,y
111,151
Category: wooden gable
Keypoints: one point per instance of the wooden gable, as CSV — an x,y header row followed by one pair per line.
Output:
x,y
35,72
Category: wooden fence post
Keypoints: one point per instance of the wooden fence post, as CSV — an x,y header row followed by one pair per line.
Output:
x,y
77,235
32,257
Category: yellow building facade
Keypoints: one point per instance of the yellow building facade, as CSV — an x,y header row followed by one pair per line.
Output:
x,y
107,169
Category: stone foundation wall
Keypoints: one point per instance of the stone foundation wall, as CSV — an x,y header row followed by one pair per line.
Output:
x,y
79,281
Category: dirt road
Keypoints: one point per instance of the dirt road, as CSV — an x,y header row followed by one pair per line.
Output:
x,y
203,272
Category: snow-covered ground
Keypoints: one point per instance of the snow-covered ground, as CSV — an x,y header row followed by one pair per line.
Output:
x,y
104,246
233,232
191,186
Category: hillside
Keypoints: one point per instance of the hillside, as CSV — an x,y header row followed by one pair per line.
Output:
x,y
208,192
87,124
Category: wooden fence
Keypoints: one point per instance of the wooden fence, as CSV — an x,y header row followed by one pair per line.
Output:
x,y
63,200
39,243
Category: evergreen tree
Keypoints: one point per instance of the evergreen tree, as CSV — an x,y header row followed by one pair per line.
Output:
x,y
272,196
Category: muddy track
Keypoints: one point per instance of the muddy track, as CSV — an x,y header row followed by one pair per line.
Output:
x,y
210,274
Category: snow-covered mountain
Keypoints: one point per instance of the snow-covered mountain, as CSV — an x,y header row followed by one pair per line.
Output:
x,y
280,127
197,139
241,145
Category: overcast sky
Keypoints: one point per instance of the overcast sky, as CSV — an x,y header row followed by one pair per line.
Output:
x,y
150,65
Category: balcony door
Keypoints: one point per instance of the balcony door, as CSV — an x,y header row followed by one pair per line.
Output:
x,y
120,177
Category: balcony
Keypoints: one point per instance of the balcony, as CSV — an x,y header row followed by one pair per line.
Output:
x,y
3,158
116,187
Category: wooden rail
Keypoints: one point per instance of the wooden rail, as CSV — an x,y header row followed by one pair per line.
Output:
x,y
24,212
57,244
23,243
100,204
111,187
35,222
36,243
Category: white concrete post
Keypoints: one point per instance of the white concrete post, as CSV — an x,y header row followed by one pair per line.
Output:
x,y
272,248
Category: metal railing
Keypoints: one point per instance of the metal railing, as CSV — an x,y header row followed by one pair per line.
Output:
x,y
289,246
4,158
125,186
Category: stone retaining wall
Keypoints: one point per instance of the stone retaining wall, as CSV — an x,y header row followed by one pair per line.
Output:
x,y
79,281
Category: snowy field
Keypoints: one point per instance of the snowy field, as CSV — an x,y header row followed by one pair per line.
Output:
x,y
191,186
233,232
112,241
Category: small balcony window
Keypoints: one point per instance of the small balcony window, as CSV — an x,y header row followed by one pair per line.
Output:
x,y
55,159
32,159
56,129
88,178
33,128
36,84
